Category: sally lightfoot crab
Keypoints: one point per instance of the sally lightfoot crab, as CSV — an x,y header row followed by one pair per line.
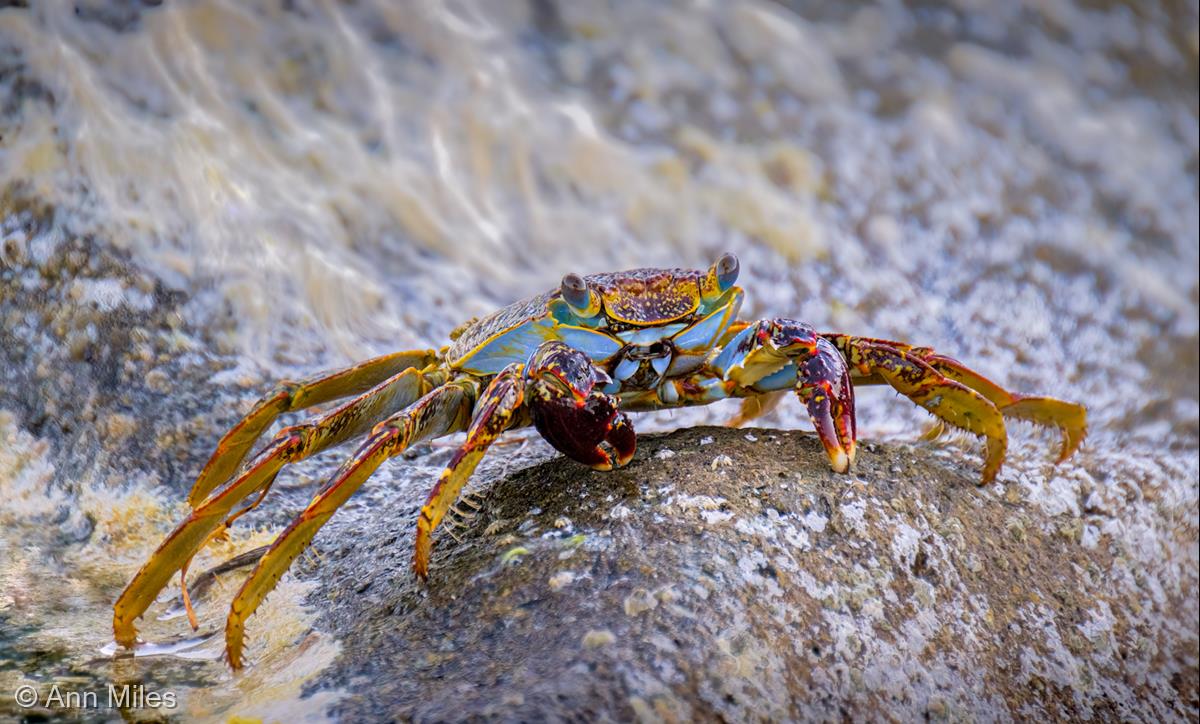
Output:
x,y
571,362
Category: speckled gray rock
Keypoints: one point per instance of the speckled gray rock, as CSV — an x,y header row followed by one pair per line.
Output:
x,y
729,574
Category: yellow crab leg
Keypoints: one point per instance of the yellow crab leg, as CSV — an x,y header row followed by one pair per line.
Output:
x,y
495,412
291,444
1069,417
756,406
289,396
217,533
957,404
440,412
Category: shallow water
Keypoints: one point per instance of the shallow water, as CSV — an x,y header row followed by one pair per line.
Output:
x,y
290,187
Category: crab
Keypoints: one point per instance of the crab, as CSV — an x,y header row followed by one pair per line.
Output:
x,y
570,362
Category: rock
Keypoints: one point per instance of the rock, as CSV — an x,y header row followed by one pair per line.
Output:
x,y
768,612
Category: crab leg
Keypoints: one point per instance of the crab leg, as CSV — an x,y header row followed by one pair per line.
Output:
x,y
291,444
496,411
442,411
289,396
905,369
756,406
1069,417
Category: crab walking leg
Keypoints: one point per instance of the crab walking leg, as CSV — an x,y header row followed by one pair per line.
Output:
x,y
438,413
903,368
756,406
777,354
1069,417
289,396
496,411
291,444
183,586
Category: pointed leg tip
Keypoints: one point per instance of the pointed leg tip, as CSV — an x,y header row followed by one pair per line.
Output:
x,y
421,570
839,460
1072,440
124,628
233,651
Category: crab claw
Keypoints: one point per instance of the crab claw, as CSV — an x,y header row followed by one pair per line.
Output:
x,y
824,386
766,347
572,412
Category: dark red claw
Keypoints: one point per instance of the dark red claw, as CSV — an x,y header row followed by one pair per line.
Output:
x,y
825,388
792,336
576,431
818,403
847,401
623,440
571,413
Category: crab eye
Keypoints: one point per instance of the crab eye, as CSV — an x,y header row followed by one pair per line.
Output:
x,y
726,270
576,293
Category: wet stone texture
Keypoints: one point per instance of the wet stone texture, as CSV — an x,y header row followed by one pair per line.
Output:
x,y
102,357
730,574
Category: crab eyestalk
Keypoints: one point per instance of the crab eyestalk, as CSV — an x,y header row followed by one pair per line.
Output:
x,y
571,410
720,277
582,299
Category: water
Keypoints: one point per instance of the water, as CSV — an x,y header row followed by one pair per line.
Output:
x,y
293,186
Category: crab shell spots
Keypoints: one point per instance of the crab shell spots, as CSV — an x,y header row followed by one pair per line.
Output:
x,y
649,296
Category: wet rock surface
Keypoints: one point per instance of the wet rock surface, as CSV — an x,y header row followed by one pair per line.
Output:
x,y
729,574
99,355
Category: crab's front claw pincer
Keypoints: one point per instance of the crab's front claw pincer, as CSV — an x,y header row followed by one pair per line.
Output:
x,y
566,398
824,385
771,354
